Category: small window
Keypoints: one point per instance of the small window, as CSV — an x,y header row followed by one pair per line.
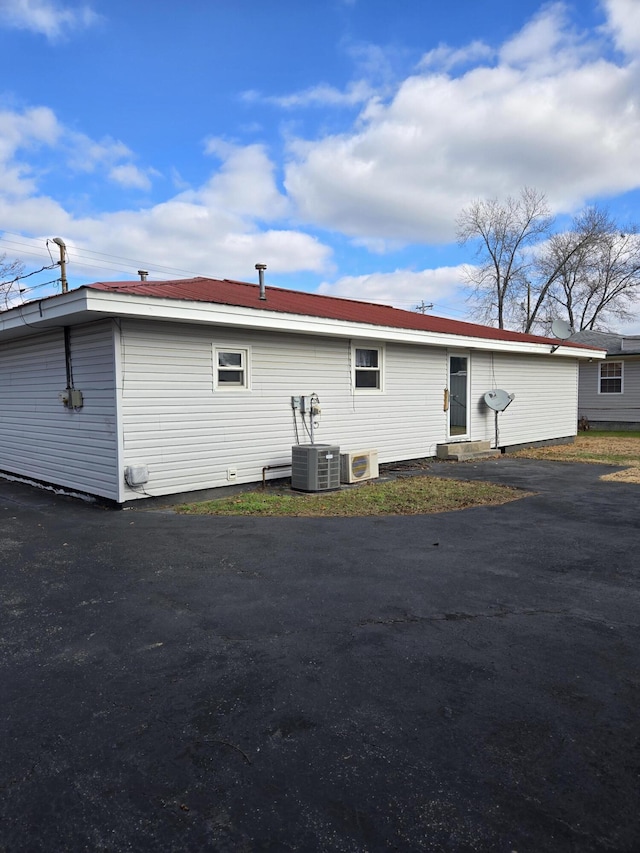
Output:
x,y
611,377
368,369
231,367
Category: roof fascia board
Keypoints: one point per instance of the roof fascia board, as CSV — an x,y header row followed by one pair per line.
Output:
x,y
233,315
87,304
44,312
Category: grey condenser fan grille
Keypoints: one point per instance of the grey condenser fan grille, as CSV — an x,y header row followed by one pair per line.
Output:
x,y
315,467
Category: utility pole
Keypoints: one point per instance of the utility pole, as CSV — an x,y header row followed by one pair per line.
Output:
x,y
423,307
63,263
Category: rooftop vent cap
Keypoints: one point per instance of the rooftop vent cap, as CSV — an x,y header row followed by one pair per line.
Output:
x,y
261,268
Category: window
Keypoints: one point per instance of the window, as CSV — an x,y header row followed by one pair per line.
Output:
x,y
611,377
368,369
231,368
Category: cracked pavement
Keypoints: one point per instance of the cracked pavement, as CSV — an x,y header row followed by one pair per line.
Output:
x,y
176,683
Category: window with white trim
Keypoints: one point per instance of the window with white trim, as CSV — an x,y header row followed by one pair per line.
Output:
x,y
367,368
610,377
231,368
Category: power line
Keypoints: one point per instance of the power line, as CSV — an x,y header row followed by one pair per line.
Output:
x,y
26,275
84,258
82,253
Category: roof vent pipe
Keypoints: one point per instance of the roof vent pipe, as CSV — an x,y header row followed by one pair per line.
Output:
x,y
261,268
144,274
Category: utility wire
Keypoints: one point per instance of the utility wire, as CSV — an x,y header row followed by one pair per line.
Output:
x,y
27,275
82,253
84,257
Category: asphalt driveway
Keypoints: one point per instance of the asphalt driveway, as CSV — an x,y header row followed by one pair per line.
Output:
x,y
468,681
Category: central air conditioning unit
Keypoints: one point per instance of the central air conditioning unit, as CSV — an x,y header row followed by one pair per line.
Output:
x,y
315,467
358,465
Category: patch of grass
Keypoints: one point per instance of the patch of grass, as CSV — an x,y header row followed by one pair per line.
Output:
x,y
403,496
605,433
598,447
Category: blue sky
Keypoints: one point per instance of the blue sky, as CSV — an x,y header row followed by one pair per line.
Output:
x,y
334,140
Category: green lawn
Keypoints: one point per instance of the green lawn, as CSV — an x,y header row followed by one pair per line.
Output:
x,y
403,496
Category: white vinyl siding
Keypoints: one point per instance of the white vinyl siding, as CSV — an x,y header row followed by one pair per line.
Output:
x,y
545,404
189,434
40,438
152,397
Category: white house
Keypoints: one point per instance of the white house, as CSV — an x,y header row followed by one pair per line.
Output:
x,y
188,384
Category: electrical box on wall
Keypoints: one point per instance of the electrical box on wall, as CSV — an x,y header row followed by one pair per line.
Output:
x,y
136,475
71,398
304,404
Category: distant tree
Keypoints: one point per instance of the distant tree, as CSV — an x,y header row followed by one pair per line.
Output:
x,y
528,274
598,286
504,234
9,273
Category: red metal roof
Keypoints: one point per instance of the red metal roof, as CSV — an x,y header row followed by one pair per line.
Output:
x,y
242,294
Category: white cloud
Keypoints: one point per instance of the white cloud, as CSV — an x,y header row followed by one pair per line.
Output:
x,y
624,24
548,114
445,58
33,126
402,288
210,230
128,175
245,182
175,235
545,35
28,130
31,139
84,154
321,95
46,17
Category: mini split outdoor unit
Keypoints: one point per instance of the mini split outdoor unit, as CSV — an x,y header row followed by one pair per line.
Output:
x,y
315,467
358,465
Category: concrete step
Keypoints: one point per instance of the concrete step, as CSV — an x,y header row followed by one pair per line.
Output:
x,y
461,451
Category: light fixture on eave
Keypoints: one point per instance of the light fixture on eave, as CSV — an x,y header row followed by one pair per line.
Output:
x,y
261,268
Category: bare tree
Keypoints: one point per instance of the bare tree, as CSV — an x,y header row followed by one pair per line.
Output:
x,y
571,252
10,271
521,259
504,234
601,284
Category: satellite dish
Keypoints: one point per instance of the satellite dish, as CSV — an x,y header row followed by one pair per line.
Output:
x,y
498,400
561,329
